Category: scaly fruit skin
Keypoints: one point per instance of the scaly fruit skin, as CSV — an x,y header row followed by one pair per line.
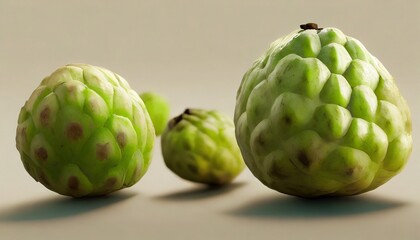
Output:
x,y
158,108
200,146
318,115
85,132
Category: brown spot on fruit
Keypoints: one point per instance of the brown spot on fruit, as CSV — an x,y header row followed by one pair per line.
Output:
x,y
277,172
44,116
102,151
43,179
349,171
287,120
260,139
121,139
74,131
71,88
41,154
93,104
303,158
111,182
192,168
73,183
23,134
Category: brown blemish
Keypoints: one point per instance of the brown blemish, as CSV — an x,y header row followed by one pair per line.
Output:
x,y
74,131
44,116
110,182
277,172
349,171
102,151
287,120
43,179
260,139
121,139
41,153
192,168
303,158
23,134
329,124
94,104
71,88
73,183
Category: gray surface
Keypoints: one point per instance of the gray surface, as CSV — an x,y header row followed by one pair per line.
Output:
x,y
194,53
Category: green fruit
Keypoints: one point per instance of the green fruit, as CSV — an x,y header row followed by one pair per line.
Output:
x,y
318,115
200,146
158,109
85,132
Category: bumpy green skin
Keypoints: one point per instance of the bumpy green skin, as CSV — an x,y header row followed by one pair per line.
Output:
x,y
158,109
318,115
85,132
200,146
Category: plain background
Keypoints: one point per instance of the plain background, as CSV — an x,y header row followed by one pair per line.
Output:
x,y
194,53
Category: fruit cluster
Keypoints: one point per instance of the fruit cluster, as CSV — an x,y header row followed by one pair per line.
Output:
x,y
316,115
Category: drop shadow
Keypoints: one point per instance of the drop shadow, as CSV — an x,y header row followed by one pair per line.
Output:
x,y
201,192
293,207
60,207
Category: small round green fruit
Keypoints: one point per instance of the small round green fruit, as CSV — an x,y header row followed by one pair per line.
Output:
x,y
200,146
159,110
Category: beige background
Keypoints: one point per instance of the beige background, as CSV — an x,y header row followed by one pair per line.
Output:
x,y
194,53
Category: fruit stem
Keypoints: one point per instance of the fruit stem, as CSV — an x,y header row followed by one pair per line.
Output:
x,y
308,26
178,119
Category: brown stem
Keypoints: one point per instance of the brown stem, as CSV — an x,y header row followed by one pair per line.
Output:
x,y
178,119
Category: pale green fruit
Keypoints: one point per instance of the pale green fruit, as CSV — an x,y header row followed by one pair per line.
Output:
x,y
200,146
318,115
158,108
85,132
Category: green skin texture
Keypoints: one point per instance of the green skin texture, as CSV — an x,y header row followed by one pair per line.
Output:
x,y
318,115
158,108
85,132
200,146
